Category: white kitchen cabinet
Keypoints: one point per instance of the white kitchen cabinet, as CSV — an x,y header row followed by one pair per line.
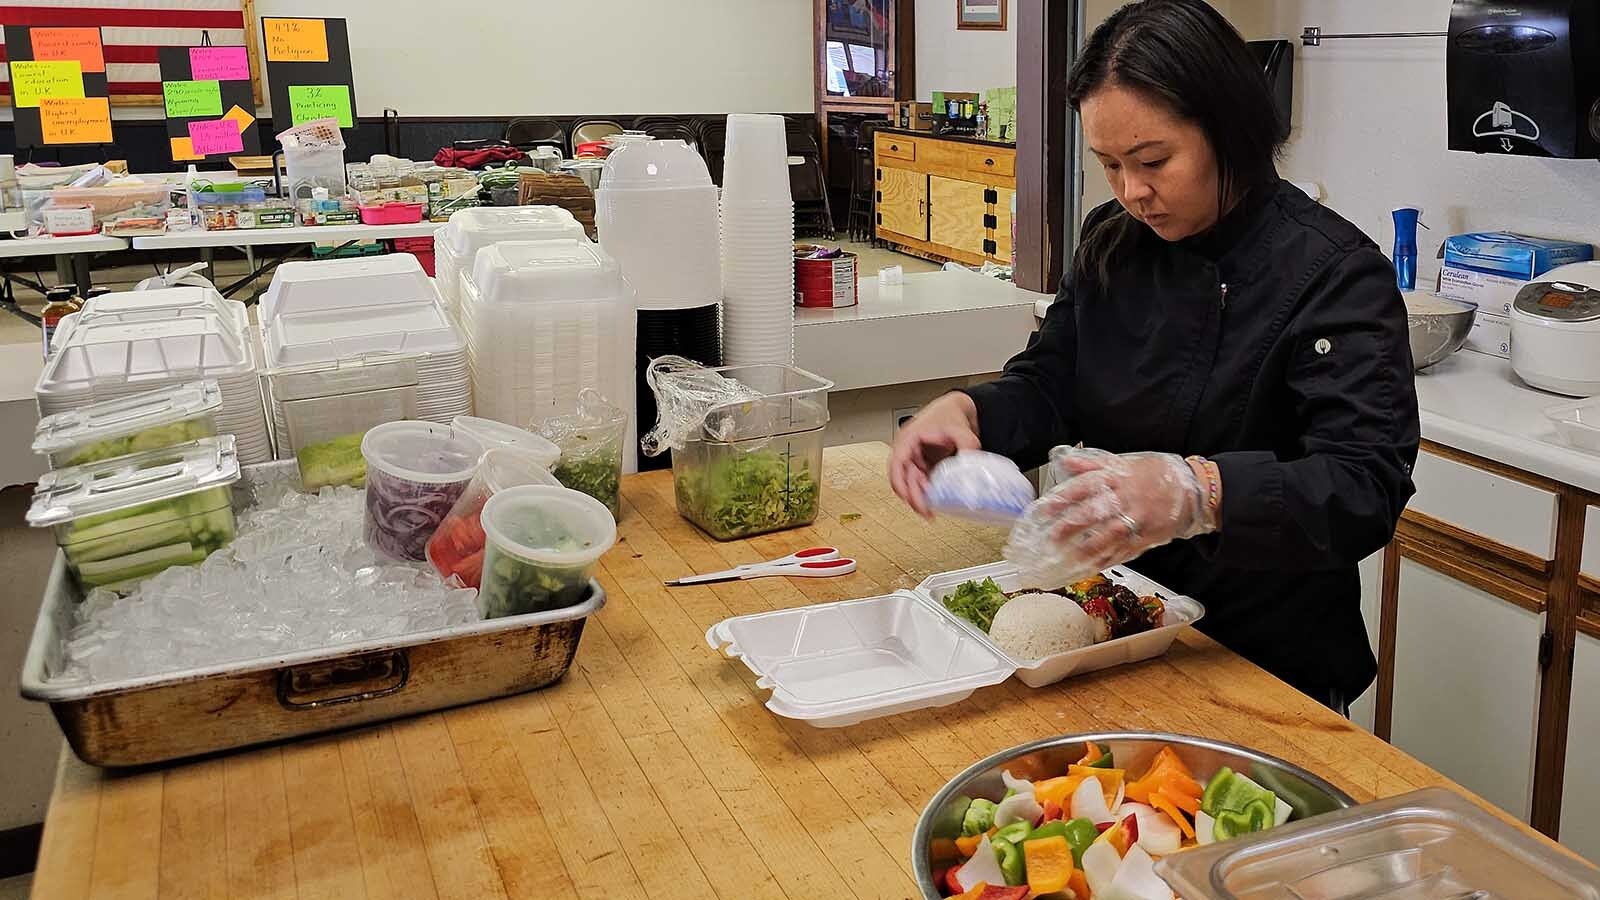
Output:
x,y
1363,710
1513,513
1467,685
1580,799
1591,543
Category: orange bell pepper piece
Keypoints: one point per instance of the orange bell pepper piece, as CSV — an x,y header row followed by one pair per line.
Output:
x,y
1057,790
1049,864
1091,753
1111,781
1078,884
1187,803
967,846
974,894
1159,801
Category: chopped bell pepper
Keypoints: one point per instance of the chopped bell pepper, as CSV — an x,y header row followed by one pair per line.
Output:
x,y
1257,815
1012,864
1056,790
975,894
1111,781
1103,762
1166,770
1004,893
1079,885
1091,753
1049,864
1016,832
1080,834
967,846
1160,802
952,882
1189,803
1052,812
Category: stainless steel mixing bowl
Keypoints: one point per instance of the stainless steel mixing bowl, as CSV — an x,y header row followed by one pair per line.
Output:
x,y
941,820
1436,335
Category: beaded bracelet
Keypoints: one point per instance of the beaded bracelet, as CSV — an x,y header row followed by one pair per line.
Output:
x,y
1211,477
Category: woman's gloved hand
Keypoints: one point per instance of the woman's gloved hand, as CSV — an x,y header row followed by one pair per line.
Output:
x,y
1106,510
943,428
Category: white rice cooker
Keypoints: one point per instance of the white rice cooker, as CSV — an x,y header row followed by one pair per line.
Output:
x,y
1555,331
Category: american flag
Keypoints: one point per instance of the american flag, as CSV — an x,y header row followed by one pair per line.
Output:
x,y
133,33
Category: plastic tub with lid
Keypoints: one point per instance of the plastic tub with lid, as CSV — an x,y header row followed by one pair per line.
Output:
x,y
147,421
121,520
328,334
544,320
543,542
416,471
491,434
115,358
471,230
457,546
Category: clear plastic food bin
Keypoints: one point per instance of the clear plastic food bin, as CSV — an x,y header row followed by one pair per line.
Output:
x,y
147,421
327,409
756,466
122,520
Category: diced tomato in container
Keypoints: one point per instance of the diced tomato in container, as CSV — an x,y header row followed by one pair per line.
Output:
x,y
456,548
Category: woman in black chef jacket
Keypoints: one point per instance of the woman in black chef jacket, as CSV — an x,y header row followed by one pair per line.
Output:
x,y
1235,355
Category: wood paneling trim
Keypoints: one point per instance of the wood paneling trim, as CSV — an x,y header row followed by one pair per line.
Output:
x,y
1388,628
928,250
1555,688
1446,563
1466,549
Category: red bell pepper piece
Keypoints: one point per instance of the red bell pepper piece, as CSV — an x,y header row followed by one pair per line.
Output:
x,y
1004,893
950,883
1052,811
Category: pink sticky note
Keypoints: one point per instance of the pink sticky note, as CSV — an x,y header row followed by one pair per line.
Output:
x,y
212,136
218,64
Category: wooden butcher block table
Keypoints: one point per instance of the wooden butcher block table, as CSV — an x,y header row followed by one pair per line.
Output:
x,y
653,770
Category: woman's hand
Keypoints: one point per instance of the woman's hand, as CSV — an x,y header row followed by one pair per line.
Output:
x,y
1108,510
942,428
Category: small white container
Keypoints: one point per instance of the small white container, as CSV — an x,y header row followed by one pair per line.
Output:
x,y
1577,423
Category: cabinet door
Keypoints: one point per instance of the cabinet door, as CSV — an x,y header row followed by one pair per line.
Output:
x,y
1002,225
1580,798
1364,709
955,214
1466,691
903,202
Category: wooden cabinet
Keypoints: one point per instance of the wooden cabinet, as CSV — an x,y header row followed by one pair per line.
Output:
x,y
944,199
1466,685
1580,807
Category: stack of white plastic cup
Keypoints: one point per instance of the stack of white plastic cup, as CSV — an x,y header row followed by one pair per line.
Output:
x,y
757,244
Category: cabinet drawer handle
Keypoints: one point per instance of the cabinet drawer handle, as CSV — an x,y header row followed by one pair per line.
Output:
x,y
988,162
895,147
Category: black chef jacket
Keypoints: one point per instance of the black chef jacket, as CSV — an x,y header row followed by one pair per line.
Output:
x,y
1276,345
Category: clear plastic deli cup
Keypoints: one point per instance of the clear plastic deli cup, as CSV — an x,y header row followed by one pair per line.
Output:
x,y
543,543
491,434
457,546
416,471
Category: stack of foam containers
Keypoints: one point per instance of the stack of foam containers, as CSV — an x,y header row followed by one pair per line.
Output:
x,y
544,320
363,309
757,244
130,343
471,230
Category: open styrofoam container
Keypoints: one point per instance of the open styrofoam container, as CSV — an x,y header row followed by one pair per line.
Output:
x,y
1181,612
837,664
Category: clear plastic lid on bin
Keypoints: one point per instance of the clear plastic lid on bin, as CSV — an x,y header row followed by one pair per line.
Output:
x,y
490,434
523,271
127,354
1427,844
470,230
358,282
110,419
791,401
151,476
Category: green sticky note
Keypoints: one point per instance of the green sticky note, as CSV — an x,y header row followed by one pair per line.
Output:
x,y
192,99
321,101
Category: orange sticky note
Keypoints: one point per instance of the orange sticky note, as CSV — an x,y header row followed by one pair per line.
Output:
x,y
75,120
238,114
183,150
81,44
296,40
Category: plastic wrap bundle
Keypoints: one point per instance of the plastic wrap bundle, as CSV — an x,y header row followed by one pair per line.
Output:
x,y
983,487
685,393
591,438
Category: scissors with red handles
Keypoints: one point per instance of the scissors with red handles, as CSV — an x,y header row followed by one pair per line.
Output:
x,y
813,562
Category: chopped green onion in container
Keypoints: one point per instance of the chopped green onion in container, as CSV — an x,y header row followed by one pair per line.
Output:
x,y
542,544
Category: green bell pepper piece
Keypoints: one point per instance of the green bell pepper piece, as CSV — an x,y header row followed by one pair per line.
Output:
x,y
1104,762
1057,828
1080,833
1015,833
1257,815
979,817
1012,864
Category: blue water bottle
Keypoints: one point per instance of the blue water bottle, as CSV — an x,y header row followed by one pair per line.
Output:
x,y
1406,220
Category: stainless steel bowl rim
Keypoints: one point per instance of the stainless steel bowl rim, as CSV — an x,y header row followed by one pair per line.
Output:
x,y
923,834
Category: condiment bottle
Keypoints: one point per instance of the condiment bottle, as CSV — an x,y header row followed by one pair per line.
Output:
x,y
59,301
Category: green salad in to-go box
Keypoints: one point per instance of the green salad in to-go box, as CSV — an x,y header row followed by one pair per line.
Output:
x,y
147,421
124,519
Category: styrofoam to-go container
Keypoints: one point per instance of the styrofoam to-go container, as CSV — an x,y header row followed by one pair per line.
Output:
x,y
416,471
357,282
543,321
1577,423
490,434
837,664
542,544
470,230
146,421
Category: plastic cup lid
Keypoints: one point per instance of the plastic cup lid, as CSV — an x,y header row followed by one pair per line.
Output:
x,y
551,526
508,467
421,451
490,433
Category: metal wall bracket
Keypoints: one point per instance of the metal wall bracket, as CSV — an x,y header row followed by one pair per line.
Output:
x,y
1312,35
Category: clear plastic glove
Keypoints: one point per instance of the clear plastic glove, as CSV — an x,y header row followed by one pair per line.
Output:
x,y
1106,510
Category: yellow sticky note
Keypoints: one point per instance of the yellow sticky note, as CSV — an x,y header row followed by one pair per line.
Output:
x,y
238,114
75,120
32,79
296,40
183,150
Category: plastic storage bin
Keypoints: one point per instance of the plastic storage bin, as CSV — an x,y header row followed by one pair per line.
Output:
x,y
416,471
756,466
1577,423
392,213
122,520
327,409
146,421
470,230
542,544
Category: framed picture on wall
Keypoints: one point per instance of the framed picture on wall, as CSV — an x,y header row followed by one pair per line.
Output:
x,y
985,15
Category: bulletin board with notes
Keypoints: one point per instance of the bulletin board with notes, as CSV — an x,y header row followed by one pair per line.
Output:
x,y
57,77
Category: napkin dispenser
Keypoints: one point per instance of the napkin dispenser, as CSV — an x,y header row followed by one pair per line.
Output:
x,y
1523,77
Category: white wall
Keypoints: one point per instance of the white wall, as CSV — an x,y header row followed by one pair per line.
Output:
x,y
1369,124
952,60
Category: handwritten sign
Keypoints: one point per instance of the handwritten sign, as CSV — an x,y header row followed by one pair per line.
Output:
x,y
33,80
183,150
81,44
320,101
212,136
219,64
75,120
189,99
296,40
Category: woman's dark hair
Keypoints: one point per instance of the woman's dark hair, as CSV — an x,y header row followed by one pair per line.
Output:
x,y
1186,55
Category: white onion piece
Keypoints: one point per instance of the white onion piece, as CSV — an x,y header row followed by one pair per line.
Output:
x,y
1100,865
1019,807
1136,879
1204,828
1157,832
1281,812
1014,783
1089,802
982,867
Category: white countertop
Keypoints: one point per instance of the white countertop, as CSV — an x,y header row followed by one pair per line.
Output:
x,y
44,245
298,234
924,293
